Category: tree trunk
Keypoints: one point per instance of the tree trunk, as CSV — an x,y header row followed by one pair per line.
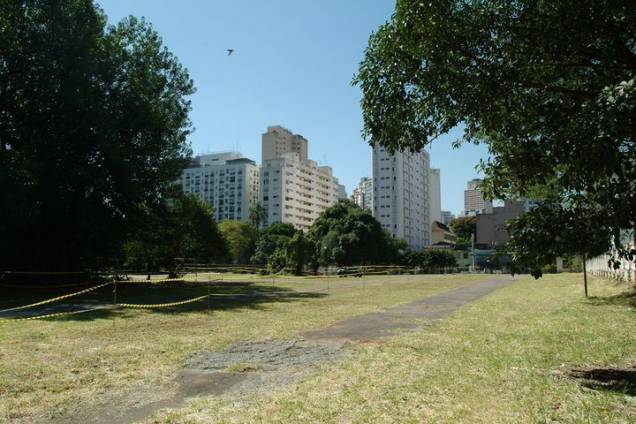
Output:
x,y
585,275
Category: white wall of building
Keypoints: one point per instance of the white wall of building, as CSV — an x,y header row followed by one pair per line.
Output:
x,y
225,181
294,190
435,195
363,194
401,195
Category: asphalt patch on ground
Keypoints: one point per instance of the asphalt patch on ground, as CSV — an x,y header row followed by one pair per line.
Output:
x,y
252,366
392,321
268,355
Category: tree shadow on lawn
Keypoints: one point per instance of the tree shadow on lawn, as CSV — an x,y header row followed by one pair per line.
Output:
x,y
625,299
224,296
620,380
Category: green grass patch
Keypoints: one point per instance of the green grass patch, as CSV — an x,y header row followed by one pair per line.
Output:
x,y
243,367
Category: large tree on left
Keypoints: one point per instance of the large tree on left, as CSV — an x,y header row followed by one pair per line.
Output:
x,y
93,127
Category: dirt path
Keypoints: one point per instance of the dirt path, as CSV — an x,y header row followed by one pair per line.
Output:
x,y
256,366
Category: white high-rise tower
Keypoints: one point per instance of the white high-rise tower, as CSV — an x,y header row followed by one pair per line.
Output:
x,y
401,195
435,195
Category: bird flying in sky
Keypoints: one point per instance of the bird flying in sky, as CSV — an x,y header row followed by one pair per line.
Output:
x,y
230,51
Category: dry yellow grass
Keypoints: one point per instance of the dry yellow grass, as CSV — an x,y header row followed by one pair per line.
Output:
x,y
51,368
501,359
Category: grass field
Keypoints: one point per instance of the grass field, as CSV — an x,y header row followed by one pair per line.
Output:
x,y
48,368
508,357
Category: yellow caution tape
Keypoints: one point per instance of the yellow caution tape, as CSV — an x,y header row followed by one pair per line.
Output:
x,y
46,272
58,314
55,299
170,280
57,286
161,305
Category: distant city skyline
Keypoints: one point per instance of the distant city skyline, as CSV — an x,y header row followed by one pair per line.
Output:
x,y
292,66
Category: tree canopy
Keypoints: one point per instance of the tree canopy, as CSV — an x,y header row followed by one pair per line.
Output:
x,y
183,230
93,127
464,227
272,245
430,259
346,234
240,238
257,215
550,86
551,230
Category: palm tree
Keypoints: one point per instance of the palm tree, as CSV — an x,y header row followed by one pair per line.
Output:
x,y
257,215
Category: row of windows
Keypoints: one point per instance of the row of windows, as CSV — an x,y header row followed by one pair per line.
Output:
x,y
212,173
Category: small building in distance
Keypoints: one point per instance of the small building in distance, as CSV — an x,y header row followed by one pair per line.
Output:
x,y
474,202
226,181
342,191
441,234
447,217
491,227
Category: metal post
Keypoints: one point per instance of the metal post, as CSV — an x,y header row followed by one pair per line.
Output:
x,y
208,295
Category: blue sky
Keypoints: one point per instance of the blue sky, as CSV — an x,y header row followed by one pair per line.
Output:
x,y
292,65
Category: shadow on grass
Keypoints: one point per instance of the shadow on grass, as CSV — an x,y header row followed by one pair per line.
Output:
x,y
619,380
624,299
224,296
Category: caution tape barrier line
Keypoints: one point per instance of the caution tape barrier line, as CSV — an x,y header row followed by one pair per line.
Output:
x,y
90,289
171,280
160,305
55,299
57,314
57,286
46,272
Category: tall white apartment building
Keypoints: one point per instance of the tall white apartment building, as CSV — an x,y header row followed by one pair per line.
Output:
x,y
342,191
226,181
363,194
294,189
474,202
435,195
447,217
401,195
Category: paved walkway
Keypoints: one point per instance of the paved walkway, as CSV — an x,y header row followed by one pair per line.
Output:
x,y
409,316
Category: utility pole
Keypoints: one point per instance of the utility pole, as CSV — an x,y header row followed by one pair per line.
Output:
x,y
472,242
